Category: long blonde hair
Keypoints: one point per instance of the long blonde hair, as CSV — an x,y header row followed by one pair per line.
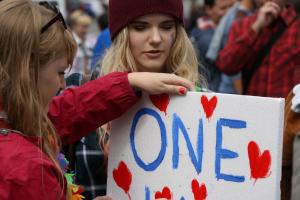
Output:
x,y
182,60
24,51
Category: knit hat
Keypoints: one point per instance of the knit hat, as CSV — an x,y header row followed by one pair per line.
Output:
x,y
122,12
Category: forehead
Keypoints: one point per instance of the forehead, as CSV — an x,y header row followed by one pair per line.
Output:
x,y
154,17
56,64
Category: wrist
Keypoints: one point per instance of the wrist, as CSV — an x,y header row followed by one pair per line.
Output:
x,y
133,83
256,27
132,79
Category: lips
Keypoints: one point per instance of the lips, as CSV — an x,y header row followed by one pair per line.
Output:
x,y
153,54
154,51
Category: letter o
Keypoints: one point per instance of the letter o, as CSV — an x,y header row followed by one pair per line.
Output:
x,y
153,165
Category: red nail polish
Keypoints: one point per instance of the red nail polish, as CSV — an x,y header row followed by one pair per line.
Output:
x,y
182,90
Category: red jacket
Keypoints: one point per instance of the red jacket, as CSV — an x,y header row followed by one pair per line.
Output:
x,y
26,172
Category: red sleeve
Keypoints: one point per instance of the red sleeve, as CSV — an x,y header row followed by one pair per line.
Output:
x,y
81,110
33,179
239,48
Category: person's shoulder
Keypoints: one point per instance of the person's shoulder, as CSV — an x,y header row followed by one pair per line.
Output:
x,y
25,168
16,142
16,150
245,21
22,159
104,35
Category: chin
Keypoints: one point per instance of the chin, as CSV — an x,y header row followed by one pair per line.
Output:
x,y
153,67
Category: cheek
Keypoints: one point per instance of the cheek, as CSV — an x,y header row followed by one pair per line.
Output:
x,y
131,39
51,85
136,43
173,38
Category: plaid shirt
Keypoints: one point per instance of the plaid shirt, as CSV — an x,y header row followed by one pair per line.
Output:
x,y
90,167
280,69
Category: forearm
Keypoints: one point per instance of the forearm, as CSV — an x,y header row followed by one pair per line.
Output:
x,y
77,111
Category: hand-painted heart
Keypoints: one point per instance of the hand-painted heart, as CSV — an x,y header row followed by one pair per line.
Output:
x,y
209,105
160,101
165,194
200,192
259,163
122,176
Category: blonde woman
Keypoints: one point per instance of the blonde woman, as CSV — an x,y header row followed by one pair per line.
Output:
x,y
36,48
149,36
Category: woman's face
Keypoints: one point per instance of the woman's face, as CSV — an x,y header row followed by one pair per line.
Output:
x,y
51,79
151,38
81,30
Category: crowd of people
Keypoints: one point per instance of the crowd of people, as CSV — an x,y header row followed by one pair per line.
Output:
x,y
60,86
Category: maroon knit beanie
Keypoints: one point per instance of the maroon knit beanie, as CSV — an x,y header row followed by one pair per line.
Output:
x,y
122,12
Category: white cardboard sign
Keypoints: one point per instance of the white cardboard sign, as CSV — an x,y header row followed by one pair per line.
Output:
x,y
201,146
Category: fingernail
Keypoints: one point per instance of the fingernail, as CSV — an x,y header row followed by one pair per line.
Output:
x,y
182,90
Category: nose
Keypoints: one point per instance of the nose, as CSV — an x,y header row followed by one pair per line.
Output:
x,y
155,36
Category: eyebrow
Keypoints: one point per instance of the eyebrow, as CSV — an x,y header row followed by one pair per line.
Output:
x,y
144,22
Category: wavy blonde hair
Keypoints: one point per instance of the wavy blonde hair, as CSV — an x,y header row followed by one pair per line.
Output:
x,y
182,60
24,52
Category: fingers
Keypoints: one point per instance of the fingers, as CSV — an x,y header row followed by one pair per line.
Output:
x,y
274,6
271,10
157,83
173,89
179,81
266,15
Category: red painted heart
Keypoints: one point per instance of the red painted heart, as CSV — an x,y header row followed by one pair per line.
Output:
x,y
165,194
200,192
259,163
122,176
209,105
160,101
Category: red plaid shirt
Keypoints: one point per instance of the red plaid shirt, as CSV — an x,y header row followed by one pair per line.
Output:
x,y
280,69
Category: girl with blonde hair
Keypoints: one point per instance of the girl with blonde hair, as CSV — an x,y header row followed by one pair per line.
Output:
x,y
148,35
36,48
